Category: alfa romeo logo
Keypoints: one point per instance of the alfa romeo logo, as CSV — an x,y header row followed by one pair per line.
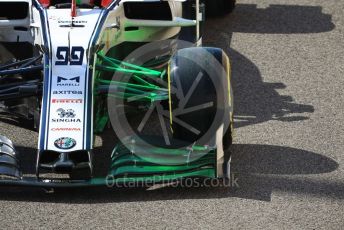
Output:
x,y
65,143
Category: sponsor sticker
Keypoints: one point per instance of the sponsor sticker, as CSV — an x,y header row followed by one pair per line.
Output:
x,y
65,101
65,143
66,120
66,115
68,21
67,92
66,129
64,81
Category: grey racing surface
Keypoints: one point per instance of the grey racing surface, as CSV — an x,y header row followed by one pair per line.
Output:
x,y
288,75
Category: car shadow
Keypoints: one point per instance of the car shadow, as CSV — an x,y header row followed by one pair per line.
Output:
x,y
256,101
263,169
275,19
259,170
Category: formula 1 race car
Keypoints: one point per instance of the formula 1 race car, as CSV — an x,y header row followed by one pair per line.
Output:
x,y
76,68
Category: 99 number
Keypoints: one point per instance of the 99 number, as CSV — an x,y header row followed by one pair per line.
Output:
x,y
65,56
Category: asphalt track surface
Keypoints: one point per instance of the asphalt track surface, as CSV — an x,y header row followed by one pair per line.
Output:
x,y
288,66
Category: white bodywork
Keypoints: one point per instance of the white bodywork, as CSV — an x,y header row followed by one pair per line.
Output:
x,y
69,86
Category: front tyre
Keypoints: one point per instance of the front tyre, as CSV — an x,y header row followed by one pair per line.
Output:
x,y
201,100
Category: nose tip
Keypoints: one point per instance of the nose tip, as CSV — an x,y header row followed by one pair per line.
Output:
x,y
63,165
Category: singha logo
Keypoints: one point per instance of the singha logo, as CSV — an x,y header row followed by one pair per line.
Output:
x,y
69,113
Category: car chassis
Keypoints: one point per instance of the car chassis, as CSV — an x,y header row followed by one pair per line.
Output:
x,y
78,78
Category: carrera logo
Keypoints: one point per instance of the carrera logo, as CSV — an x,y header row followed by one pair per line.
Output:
x,y
64,101
66,129
67,92
65,143
62,81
